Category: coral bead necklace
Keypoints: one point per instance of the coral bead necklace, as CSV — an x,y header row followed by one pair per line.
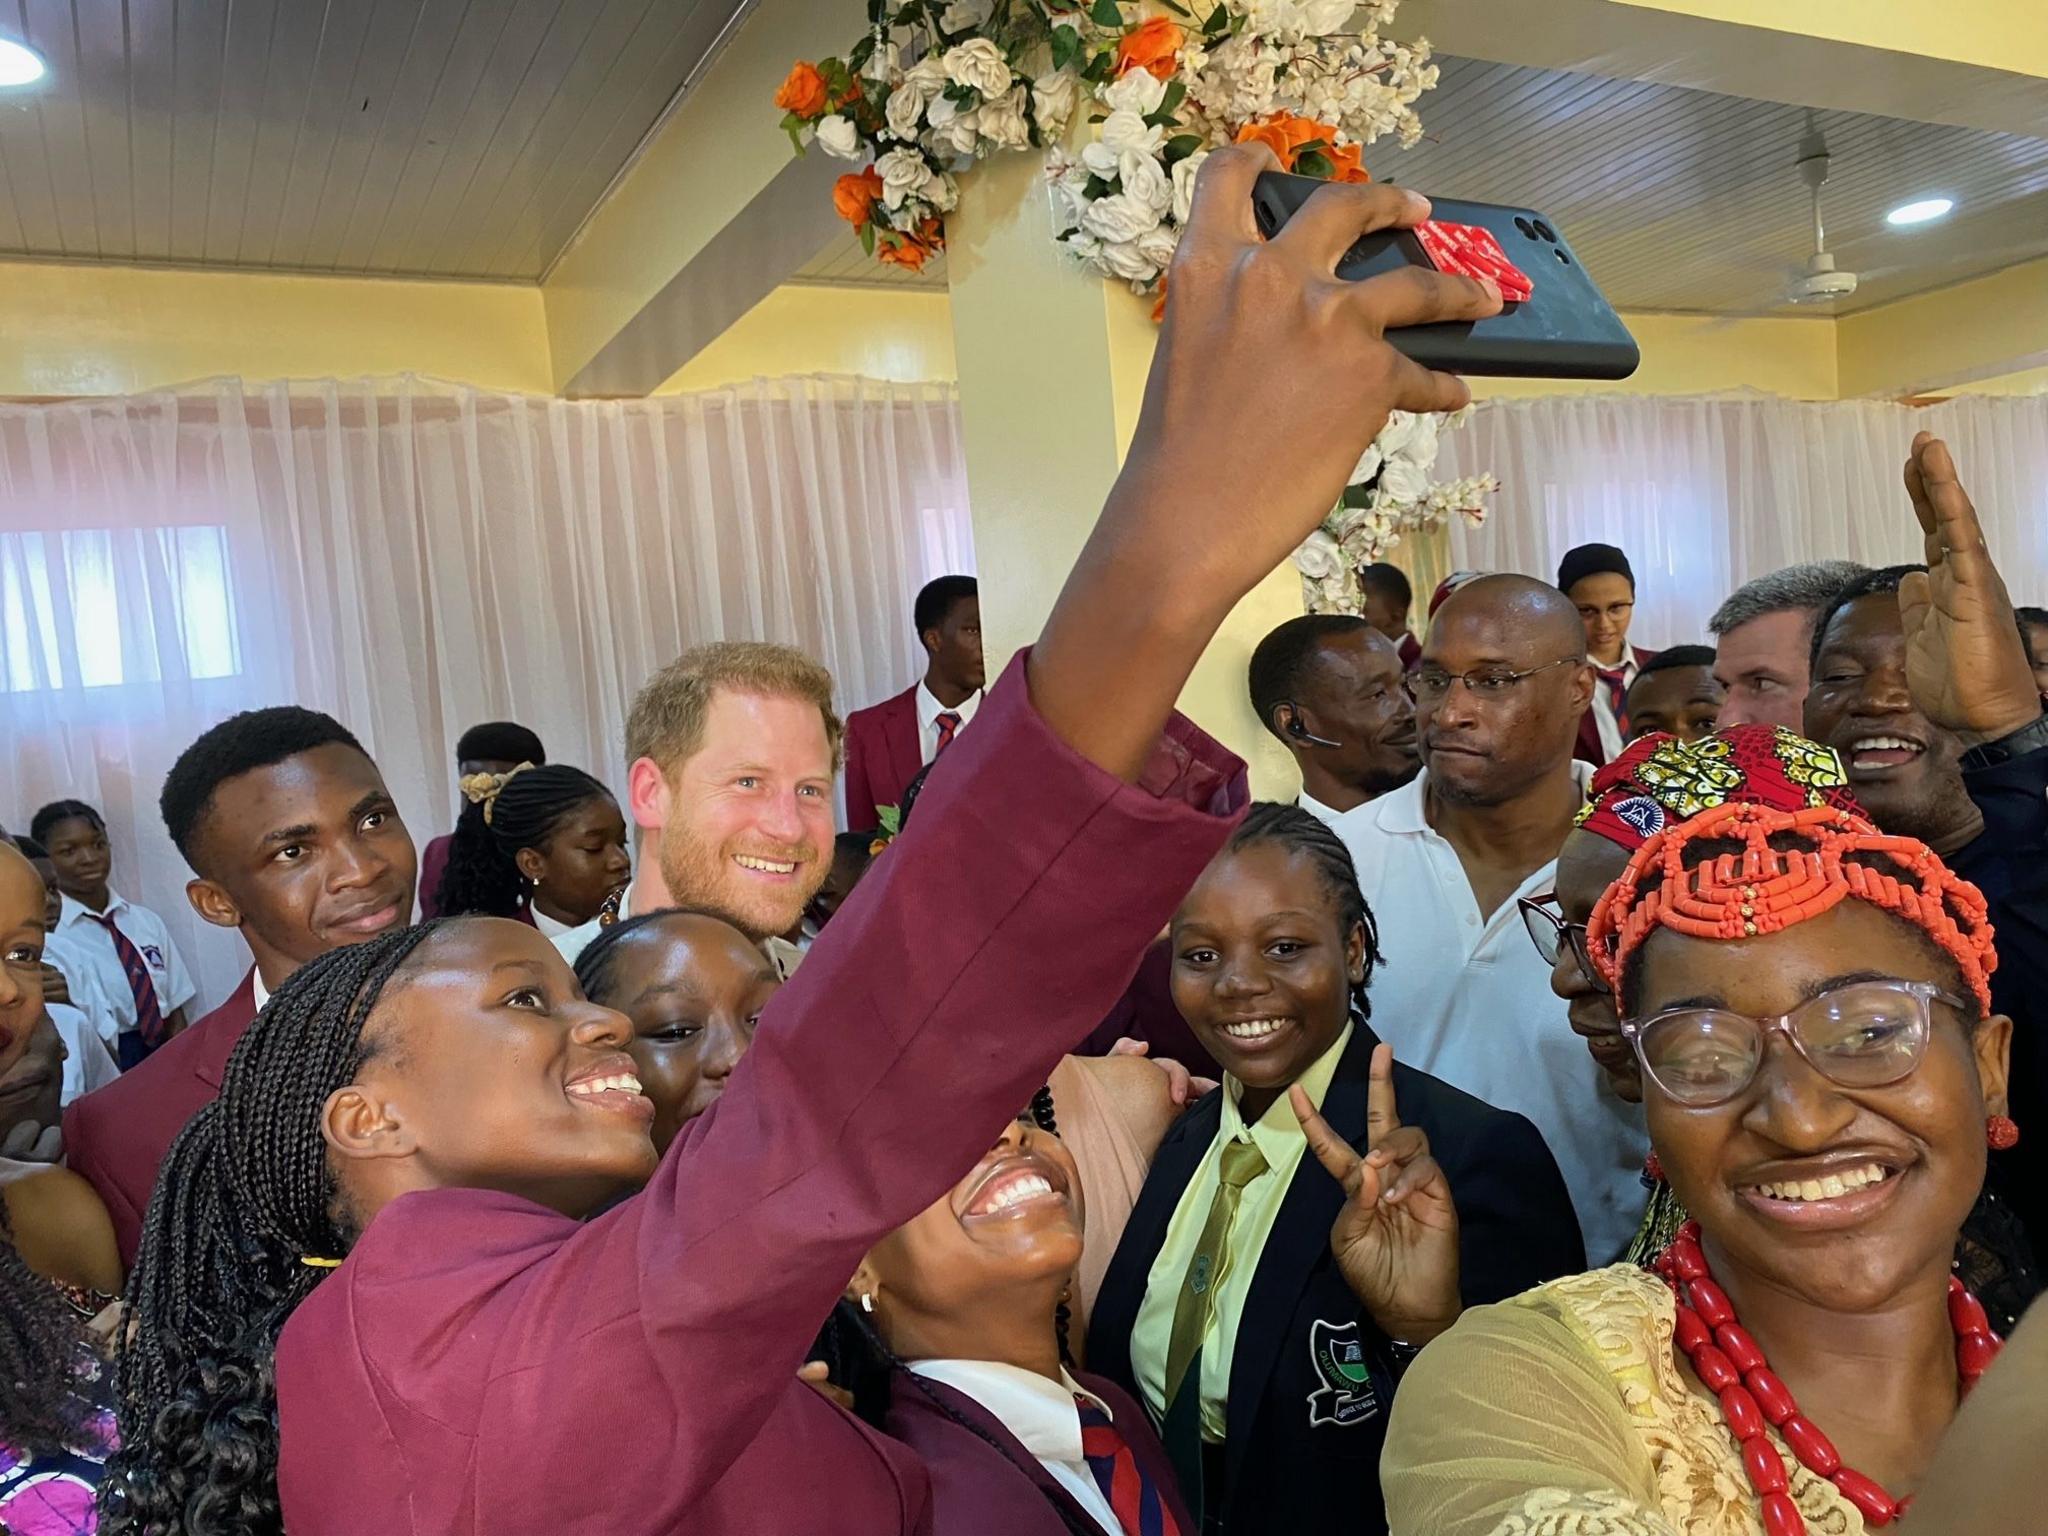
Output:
x,y
1729,1364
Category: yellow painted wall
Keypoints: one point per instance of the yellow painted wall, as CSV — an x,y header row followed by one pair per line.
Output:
x,y
1988,327
1996,34
83,329
883,333
1701,355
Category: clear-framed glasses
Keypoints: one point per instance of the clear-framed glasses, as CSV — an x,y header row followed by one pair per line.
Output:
x,y
1862,1034
1550,931
1429,685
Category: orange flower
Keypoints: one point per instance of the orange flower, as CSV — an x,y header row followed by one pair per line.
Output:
x,y
1159,305
913,251
854,196
1151,46
1284,134
1349,160
803,92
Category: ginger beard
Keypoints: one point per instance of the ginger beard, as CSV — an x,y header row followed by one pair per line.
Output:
x,y
759,886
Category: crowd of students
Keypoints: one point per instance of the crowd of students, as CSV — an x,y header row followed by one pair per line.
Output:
x,y
752,1175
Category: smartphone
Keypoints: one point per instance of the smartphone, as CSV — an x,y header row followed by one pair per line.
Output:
x,y
1565,329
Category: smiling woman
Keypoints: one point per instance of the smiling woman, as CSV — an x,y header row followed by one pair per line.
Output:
x,y
1809,1002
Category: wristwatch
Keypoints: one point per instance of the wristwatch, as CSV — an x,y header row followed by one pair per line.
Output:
x,y
2028,738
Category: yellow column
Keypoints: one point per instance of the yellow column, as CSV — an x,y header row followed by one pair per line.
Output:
x,y
1052,363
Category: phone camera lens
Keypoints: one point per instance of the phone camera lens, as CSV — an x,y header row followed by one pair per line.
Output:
x,y
1525,226
1546,232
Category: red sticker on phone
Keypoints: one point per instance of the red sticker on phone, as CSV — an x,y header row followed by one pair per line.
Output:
x,y
1470,250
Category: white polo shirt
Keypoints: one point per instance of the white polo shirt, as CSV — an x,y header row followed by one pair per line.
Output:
x,y
84,937
87,1062
1467,998
83,978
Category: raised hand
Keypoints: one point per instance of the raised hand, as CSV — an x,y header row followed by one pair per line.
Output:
x,y
1396,1240
1965,663
1271,376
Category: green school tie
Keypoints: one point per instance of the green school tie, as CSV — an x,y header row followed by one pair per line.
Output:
x,y
1195,1309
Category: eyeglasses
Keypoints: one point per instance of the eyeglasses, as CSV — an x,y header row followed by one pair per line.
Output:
x,y
1864,1034
1429,685
1550,931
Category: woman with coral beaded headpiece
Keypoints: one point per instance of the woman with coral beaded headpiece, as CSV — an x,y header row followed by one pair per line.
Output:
x,y
1809,1002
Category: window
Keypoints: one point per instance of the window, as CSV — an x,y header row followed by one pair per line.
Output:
x,y
104,607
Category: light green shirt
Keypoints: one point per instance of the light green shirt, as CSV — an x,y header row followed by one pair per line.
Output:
x,y
1278,1136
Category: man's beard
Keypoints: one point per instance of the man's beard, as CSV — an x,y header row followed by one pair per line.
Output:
x,y
705,878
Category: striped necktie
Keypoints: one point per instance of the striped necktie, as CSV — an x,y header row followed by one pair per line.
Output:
x,y
949,726
149,1014
1617,694
1133,1497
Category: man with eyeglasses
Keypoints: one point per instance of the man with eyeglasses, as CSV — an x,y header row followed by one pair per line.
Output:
x,y
1499,693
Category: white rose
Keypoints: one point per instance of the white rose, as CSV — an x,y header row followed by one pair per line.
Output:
x,y
1053,99
1143,179
1128,131
1401,481
1126,259
1119,217
1319,558
979,65
905,176
1368,465
959,135
838,136
1139,91
1422,447
1319,18
1100,160
1158,245
962,14
904,108
1397,435
1002,121
1184,174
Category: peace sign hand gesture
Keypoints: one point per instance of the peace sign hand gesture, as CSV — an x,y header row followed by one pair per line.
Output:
x,y
1965,664
1396,1240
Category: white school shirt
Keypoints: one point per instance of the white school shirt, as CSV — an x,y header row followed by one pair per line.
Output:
x,y
928,711
83,979
1611,741
1467,998
87,1062
571,944
84,936
1041,1414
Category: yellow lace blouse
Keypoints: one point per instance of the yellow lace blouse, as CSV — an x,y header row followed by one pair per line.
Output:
x,y
1564,1412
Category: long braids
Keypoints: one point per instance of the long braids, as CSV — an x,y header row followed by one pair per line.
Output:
x,y
505,813
1289,826
43,1353
245,1222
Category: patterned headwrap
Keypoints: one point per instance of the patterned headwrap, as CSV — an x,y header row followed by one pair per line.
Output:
x,y
1660,781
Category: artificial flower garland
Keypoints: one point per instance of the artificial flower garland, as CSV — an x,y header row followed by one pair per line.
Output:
x,y
1312,79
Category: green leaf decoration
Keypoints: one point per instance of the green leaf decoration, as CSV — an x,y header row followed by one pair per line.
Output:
x,y
1066,45
891,818
1181,145
1218,22
1311,163
1107,13
867,238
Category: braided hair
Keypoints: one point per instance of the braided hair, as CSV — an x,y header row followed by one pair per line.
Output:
x,y
246,1220
523,810
1270,823
42,1354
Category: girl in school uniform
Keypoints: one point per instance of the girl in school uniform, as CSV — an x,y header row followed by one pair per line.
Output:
x,y
545,845
1307,1228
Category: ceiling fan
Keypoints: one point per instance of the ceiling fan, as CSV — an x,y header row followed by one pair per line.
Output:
x,y
1820,281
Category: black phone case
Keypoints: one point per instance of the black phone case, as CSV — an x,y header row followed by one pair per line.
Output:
x,y
1565,330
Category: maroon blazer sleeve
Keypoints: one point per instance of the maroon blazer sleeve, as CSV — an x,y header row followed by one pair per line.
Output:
x,y
861,741
921,1022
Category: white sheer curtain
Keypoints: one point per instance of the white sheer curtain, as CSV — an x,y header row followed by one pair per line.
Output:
x,y
1706,492
414,557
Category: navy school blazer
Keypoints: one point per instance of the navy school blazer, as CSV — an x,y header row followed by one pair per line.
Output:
x,y
1312,1381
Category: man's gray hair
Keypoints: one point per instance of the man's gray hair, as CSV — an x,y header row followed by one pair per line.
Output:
x,y
1796,589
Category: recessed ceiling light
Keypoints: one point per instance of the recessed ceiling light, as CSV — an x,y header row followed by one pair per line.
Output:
x,y
19,63
1922,212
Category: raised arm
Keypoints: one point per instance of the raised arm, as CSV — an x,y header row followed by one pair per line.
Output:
x,y
994,934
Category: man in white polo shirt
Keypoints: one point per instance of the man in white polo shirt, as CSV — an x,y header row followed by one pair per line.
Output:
x,y
1328,686
1499,692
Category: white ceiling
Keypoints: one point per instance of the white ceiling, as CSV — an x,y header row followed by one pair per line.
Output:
x,y
1680,199
456,138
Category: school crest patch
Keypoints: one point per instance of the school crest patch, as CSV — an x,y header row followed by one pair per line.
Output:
x,y
1338,1355
154,955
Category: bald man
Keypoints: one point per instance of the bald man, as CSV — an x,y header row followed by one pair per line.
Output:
x,y
1444,861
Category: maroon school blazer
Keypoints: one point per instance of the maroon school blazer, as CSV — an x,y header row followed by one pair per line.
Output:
x,y
980,1491
482,1365
883,754
117,1136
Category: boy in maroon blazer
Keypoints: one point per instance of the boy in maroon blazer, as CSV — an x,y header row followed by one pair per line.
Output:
x,y
294,840
888,743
